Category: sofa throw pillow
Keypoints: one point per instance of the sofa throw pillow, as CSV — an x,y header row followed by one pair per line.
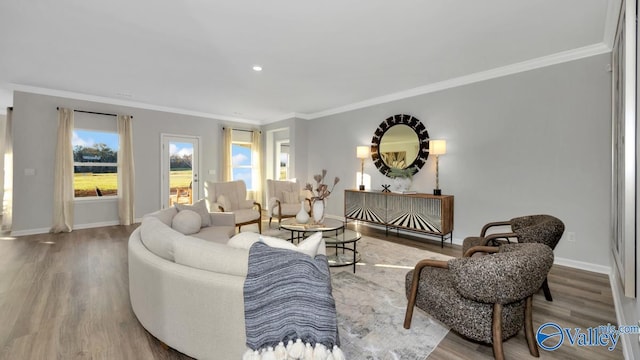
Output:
x,y
224,202
290,197
200,207
312,246
244,240
187,222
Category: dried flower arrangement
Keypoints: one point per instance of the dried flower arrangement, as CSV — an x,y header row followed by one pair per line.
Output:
x,y
322,190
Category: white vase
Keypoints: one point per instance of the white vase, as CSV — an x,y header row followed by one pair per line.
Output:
x,y
401,183
302,217
318,211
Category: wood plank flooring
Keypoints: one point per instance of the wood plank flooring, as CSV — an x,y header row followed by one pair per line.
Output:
x,y
65,296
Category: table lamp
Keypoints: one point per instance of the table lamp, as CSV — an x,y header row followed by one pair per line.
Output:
x,y
437,148
362,152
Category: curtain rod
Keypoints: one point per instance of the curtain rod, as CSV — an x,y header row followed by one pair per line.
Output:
x,y
92,112
242,130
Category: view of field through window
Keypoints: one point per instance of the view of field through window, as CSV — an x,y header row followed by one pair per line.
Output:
x,y
95,160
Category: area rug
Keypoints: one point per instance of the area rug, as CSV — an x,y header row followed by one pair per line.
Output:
x,y
371,305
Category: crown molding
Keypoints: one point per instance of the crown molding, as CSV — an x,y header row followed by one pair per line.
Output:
x,y
128,103
540,62
611,21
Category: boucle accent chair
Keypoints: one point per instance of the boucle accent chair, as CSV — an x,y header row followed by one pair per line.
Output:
x,y
484,298
284,198
545,229
231,196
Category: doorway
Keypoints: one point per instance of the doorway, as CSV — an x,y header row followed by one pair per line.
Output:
x,y
180,169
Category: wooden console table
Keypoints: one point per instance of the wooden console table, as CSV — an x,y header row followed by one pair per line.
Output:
x,y
424,213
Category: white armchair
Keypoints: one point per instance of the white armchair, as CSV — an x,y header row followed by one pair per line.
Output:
x,y
231,196
284,198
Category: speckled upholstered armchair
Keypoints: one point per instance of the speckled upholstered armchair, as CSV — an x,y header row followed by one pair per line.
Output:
x,y
545,229
484,298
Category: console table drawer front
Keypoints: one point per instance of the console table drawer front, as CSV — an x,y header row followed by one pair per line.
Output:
x,y
371,207
415,213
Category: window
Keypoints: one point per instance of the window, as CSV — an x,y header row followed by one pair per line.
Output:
x,y
241,162
95,163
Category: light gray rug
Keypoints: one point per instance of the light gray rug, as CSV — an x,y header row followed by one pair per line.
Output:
x,y
371,305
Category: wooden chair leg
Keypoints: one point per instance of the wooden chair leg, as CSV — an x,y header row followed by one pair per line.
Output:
x,y
270,221
496,329
528,327
411,303
547,291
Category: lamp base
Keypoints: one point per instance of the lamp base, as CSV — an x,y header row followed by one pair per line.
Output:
x,y
437,192
361,187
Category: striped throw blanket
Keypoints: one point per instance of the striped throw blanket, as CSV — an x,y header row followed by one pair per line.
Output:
x,y
287,296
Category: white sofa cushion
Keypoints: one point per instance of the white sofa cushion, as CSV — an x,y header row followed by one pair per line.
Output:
x,y
187,222
218,234
199,207
205,255
158,237
244,240
312,246
165,215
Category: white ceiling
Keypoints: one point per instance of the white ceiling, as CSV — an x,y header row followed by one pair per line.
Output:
x,y
195,56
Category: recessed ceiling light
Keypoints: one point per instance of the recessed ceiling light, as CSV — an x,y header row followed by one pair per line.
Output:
x,y
257,68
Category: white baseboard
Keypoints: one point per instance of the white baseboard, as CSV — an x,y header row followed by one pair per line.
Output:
x,y
601,269
75,227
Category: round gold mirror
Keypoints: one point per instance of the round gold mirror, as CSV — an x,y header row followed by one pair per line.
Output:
x,y
400,146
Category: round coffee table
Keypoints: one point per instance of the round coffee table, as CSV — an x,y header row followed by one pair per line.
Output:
x,y
343,241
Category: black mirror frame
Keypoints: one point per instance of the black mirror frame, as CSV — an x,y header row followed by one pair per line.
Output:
x,y
415,125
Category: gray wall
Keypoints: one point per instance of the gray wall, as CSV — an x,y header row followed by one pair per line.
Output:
x,y
533,142
34,131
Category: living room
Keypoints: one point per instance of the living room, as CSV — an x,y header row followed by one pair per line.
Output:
x,y
526,139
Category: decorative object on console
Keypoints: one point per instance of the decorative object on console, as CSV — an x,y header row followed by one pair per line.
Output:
x,y
437,148
402,179
400,142
320,193
385,188
362,152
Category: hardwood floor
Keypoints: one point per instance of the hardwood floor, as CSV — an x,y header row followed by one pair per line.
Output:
x,y
65,296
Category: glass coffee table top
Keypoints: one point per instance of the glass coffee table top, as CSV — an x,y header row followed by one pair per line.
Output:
x,y
341,242
327,225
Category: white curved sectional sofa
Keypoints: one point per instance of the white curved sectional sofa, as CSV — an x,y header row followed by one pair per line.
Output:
x,y
194,303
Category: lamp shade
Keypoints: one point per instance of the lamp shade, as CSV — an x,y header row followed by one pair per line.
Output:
x,y
362,152
437,147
